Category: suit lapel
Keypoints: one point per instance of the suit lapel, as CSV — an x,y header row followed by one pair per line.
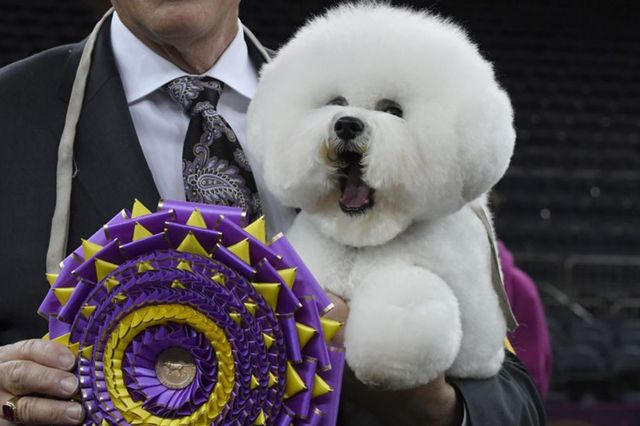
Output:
x,y
110,164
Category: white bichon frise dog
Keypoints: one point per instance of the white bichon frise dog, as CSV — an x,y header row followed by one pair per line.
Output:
x,y
386,127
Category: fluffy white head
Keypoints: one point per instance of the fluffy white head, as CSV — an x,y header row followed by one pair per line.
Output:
x,y
436,127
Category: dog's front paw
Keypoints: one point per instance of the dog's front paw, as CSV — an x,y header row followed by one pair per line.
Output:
x,y
403,329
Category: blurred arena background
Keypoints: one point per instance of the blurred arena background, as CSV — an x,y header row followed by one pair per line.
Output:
x,y
569,206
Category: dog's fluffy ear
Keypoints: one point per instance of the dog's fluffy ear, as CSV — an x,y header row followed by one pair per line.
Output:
x,y
486,134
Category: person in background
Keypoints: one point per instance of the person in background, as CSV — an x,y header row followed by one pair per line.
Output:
x,y
531,339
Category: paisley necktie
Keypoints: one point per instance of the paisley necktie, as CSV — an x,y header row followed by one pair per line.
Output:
x,y
214,167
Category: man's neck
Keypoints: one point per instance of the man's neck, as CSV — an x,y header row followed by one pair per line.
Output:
x,y
193,55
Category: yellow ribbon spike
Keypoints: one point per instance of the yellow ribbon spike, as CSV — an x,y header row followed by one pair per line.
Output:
x,y
45,337
261,420
86,352
329,328
294,383
320,387
269,291
145,266
90,249
104,268
63,340
258,230
305,333
184,266
119,297
236,317
288,275
74,348
219,278
178,284
63,294
268,340
51,278
87,310
190,244
110,283
140,232
508,346
104,423
272,379
197,220
254,382
241,250
251,307
139,209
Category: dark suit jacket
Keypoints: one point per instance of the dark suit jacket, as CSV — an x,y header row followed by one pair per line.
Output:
x,y
110,172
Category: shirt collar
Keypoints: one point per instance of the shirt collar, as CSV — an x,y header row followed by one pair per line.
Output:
x,y
143,71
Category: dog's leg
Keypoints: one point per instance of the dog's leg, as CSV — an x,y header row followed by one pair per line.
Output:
x,y
481,351
403,328
460,252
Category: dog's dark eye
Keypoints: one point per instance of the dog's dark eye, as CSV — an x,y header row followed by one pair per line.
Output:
x,y
340,100
390,107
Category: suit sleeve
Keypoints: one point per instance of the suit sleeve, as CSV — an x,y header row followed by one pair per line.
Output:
x,y
509,398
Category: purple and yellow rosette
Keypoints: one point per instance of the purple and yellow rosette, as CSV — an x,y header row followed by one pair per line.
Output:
x,y
187,316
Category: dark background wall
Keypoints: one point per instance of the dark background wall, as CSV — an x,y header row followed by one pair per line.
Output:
x,y
569,206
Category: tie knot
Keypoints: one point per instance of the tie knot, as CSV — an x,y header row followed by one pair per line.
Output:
x,y
189,91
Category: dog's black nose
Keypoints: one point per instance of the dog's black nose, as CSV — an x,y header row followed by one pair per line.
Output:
x,y
348,127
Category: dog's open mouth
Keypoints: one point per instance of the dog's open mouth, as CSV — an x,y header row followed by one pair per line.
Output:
x,y
356,195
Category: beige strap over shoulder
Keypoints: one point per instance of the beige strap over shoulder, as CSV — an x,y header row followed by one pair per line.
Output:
x,y
64,172
496,271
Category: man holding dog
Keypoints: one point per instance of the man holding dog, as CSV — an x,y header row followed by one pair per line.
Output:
x,y
120,154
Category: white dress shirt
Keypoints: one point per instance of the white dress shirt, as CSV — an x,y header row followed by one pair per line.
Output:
x,y
161,125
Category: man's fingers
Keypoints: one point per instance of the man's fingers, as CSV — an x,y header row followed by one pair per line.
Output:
x,y
41,411
340,311
27,377
39,351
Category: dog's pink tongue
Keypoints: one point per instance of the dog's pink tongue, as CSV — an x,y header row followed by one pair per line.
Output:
x,y
356,192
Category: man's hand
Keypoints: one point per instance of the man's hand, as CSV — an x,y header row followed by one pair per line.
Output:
x,y
434,404
39,367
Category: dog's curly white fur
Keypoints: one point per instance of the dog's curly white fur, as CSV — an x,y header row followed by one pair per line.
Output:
x,y
398,237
